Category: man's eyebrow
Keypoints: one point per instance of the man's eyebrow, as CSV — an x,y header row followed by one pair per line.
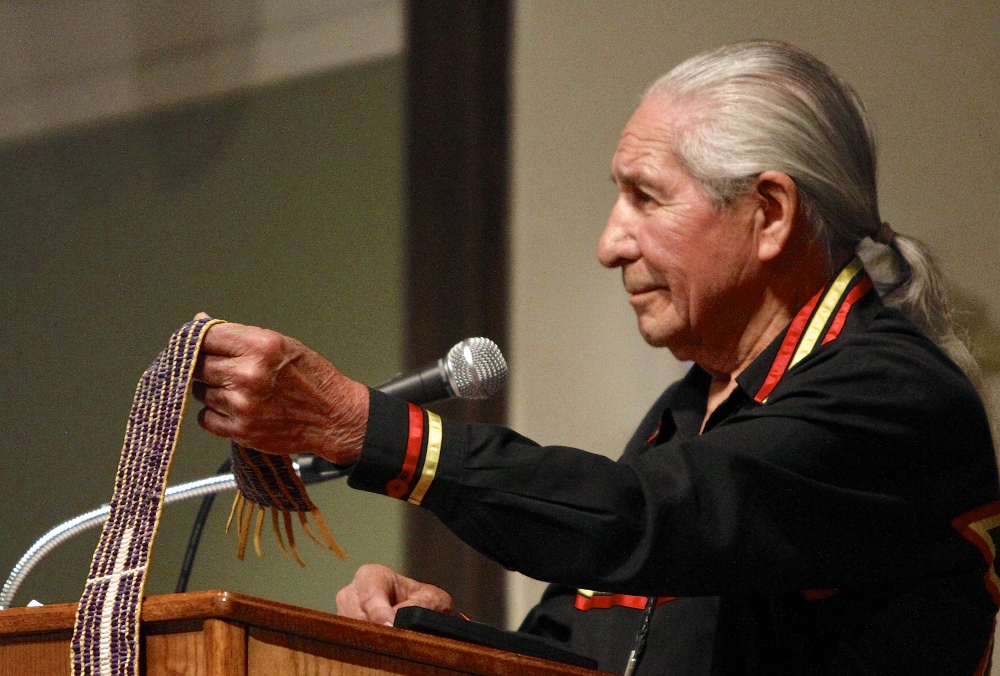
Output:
x,y
632,179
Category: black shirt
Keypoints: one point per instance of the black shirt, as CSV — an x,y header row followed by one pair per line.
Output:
x,y
833,517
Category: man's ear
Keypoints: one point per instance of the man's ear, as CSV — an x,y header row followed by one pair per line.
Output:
x,y
777,216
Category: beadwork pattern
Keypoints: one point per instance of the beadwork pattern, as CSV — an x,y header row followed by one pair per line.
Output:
x,y
106,634
269,482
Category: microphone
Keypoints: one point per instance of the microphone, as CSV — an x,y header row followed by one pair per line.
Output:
x,y
473,369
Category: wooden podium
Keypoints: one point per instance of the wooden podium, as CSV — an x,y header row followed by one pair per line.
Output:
x,y
224,634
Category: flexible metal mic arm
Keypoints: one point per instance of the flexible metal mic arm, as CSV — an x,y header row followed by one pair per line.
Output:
x,y
93,519
310,468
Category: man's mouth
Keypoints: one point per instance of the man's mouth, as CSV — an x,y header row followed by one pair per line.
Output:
x,y
637,286
639,290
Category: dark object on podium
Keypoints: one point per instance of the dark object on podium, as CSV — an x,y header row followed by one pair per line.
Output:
x,y
452,626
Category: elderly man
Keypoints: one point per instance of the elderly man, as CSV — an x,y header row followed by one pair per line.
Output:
x,y
817,495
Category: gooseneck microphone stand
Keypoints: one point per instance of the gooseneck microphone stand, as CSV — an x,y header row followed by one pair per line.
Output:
x,y
310,468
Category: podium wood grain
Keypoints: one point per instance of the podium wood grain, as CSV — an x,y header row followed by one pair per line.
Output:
x,y
226,634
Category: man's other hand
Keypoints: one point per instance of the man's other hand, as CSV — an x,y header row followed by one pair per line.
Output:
x,y
377,592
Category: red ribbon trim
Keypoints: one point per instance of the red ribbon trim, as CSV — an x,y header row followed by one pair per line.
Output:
x,y
964,524
787,348
855,294
401,485
605,601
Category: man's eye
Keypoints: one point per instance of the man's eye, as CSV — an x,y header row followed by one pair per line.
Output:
x,y
641,197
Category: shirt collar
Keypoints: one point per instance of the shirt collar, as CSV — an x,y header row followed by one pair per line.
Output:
x,y
818,322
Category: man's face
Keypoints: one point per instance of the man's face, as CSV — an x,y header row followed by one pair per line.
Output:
x,y
689,268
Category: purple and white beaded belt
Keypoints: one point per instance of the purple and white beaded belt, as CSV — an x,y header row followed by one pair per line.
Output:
x,y
106,635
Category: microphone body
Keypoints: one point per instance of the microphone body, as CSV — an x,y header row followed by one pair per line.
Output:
x,y
420,386
472,369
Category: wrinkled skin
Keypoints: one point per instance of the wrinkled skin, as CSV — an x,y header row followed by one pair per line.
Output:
x,y
272,393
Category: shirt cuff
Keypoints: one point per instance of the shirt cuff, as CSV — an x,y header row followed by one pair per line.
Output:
x,y
401,452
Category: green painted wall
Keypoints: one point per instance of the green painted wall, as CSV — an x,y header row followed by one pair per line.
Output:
x,y
282,208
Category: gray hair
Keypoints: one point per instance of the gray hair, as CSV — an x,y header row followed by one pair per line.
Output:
x,y
764,105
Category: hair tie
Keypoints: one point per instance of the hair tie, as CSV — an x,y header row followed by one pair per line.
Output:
x,y
885,234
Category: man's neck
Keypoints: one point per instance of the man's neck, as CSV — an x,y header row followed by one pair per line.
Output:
x,y
764,326
777,307
718,391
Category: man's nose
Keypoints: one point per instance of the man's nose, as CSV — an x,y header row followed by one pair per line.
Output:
x,y
617,245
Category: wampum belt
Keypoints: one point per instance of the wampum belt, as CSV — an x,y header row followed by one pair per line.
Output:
x,y
106,634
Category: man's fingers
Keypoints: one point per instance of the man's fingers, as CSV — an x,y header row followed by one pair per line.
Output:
x,y
215,423
348,605
374,587
230,403
425,596
371,609
210,368
370,596
201,356
234,340
377,592
377,609
270,392
234,352
220,371
198,390
207,369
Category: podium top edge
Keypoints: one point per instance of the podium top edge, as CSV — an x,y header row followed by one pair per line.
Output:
x,y
57,620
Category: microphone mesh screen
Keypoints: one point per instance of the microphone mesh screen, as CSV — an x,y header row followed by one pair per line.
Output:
x,y
476,367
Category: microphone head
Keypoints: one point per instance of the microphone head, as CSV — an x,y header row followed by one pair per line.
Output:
x,y
476,368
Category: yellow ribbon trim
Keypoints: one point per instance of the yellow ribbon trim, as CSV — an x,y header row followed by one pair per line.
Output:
x,y
431,457
982,528
829,304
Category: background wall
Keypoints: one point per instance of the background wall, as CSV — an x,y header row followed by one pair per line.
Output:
x,y
928,72
281,208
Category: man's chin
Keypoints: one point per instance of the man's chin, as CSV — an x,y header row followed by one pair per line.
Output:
x,y
671,338
654,336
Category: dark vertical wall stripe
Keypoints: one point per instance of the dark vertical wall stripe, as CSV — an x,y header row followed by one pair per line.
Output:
x,y
457,249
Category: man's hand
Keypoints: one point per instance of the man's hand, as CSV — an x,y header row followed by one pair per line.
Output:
x,y
272,393
377,592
